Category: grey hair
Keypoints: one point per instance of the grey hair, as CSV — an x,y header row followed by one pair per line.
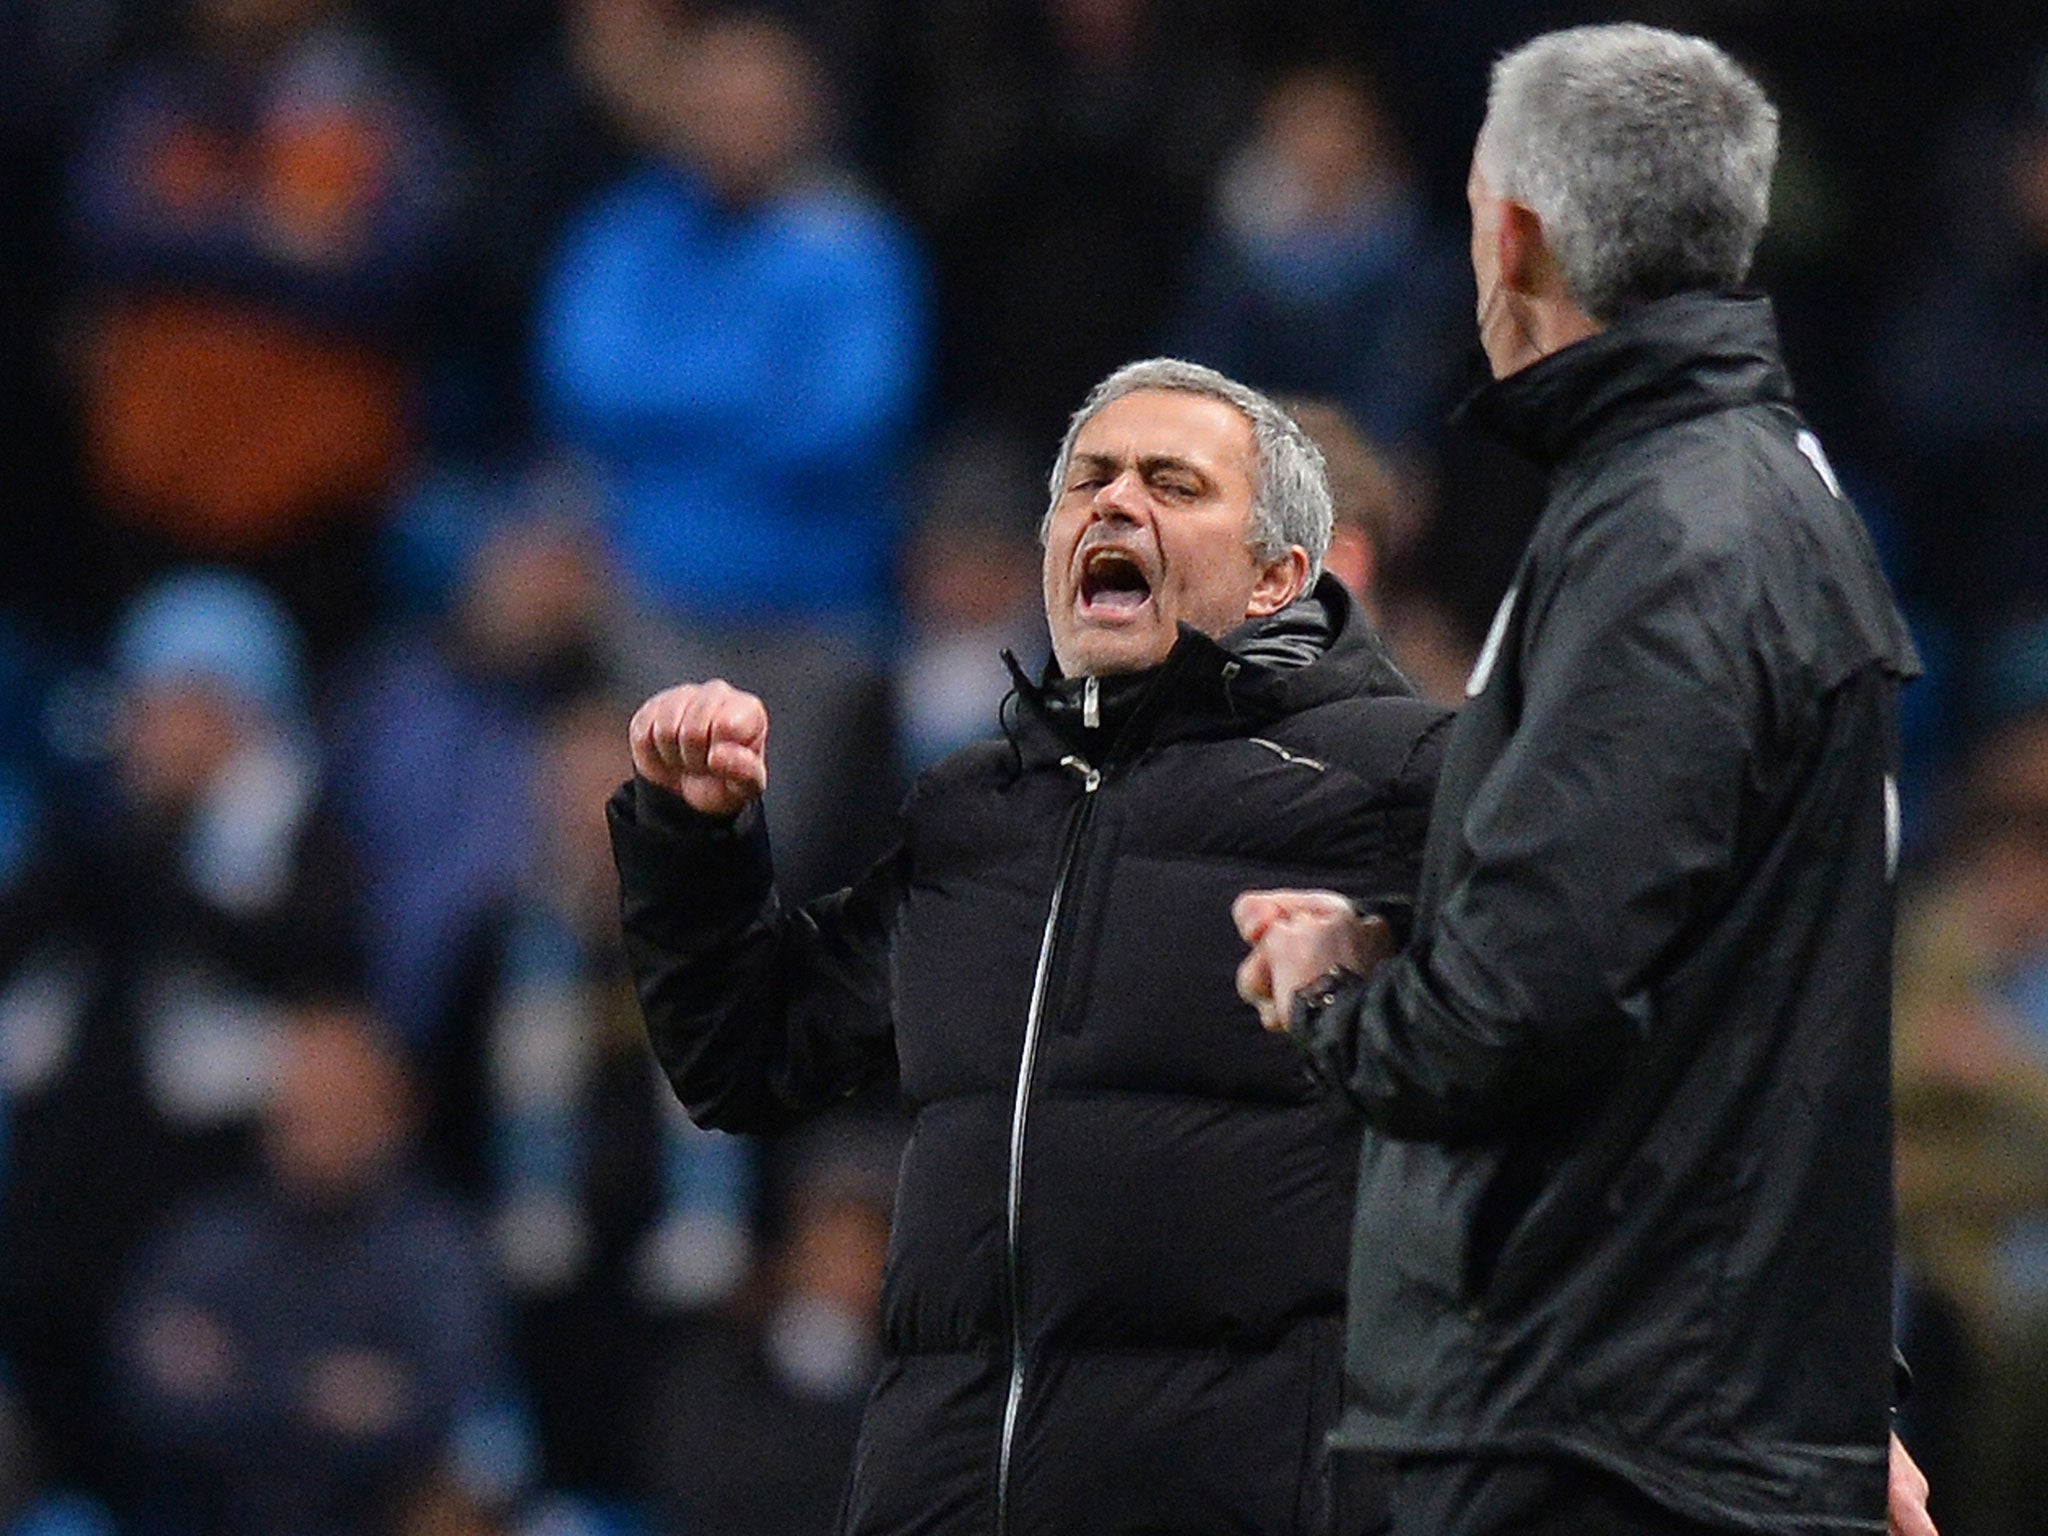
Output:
x,y
1647,155
1290,485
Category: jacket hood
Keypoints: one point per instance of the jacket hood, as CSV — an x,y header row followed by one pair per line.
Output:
x,y
1670,360
1319,648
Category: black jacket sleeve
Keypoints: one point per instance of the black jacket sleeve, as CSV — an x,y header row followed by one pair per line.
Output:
x,y
1602,830
759,1014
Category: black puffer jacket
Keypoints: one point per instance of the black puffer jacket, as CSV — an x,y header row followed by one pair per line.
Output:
x,y
1115,1283
1633,1199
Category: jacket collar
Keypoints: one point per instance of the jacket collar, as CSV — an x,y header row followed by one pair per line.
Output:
x,y
1670,360
1319,649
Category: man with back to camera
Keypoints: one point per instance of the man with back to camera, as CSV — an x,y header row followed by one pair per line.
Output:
x,y
1118,1253
1622,1259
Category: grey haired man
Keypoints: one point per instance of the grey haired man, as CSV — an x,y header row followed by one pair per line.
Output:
x,y
1623,1251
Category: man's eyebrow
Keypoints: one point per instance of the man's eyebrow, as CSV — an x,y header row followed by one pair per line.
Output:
x,y
1160,463
1148,465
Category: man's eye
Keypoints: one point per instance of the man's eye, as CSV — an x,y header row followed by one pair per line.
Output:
x,y
1178,490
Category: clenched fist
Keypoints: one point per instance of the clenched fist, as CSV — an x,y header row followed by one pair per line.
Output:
x,y
1297,936
707,742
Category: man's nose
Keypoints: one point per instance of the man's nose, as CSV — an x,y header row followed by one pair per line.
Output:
x,y
1121,497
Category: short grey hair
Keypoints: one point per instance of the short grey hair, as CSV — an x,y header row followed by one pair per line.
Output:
x,y
1647,154
1290,485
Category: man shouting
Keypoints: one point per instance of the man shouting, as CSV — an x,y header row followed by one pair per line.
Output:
x,y
1115,1288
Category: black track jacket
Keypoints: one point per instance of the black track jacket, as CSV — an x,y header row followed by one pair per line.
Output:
x,y
1115,1283
1629,1194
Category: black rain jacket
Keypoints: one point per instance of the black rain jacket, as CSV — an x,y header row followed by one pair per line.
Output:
x,y
1114,1292
1629,1194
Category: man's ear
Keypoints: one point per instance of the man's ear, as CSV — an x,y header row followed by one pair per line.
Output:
x,y
1526,264
1280,582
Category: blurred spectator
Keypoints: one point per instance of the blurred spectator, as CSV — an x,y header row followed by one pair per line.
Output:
x,y
555,122
1381,511
1973,1037
1972,1102
1323,273
970,592
1059,153
737,342
436,724
611,1211
142,960
750,1432
1380,506
1963,368
259,210
306,1353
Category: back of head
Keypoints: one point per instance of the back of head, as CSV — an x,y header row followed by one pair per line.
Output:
x,y
1647,155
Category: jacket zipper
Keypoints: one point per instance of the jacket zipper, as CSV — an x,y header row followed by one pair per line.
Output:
x,y
1034,1019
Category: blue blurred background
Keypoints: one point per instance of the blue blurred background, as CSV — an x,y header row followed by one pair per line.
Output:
x,y
393,392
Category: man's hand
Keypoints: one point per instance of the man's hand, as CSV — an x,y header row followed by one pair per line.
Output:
x,y
1909,1515
1297,936
707,742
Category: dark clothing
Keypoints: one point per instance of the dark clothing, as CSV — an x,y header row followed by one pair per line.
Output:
x,y
1630,1197
1458,1496
142,968
1115,1280
388,1304
732,1447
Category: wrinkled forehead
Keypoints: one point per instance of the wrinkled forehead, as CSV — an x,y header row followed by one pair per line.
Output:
x,y
1161,424
1202,430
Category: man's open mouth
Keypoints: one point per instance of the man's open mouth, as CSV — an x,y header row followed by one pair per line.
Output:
x,y
1113,582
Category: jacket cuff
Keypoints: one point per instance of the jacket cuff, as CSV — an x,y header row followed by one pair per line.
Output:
x,y
700,870
1397,912
1314,1001
670,814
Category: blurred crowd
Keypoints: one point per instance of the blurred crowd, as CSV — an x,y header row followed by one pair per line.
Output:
x,y
393,392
